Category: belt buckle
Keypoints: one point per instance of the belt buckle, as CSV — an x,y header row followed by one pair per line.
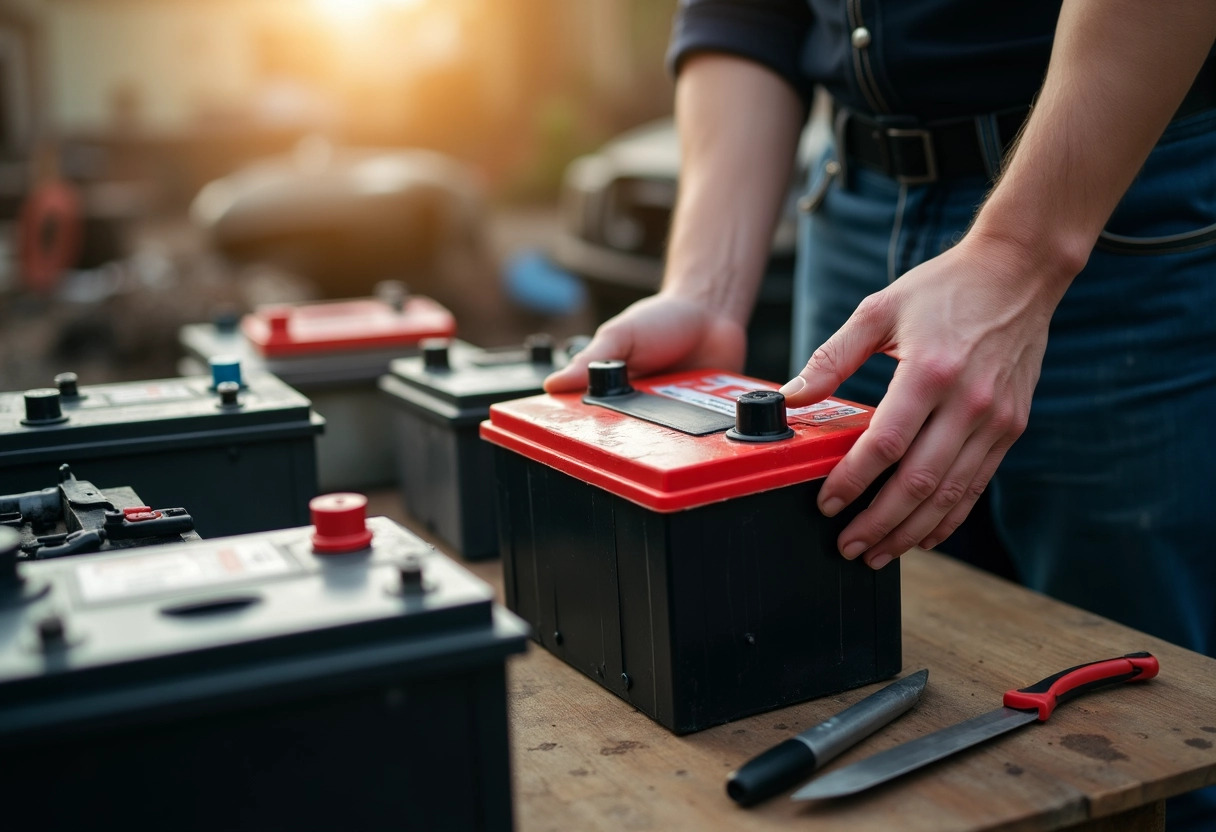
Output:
x,y
930,174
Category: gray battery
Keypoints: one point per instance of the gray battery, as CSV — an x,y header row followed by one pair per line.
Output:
x,y
241,454
76,517
333,352
252,683
446,471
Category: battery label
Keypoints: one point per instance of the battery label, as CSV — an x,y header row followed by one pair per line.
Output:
x,y
152,574
719,392
148,394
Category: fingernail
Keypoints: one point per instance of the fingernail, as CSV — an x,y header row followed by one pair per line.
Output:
x,y
853,549
879,561
793,386
929,543
831,507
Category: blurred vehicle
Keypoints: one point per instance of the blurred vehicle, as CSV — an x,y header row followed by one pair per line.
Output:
x,y
616,212
345,219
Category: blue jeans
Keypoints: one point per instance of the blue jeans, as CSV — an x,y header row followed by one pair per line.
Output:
x,y
1106,502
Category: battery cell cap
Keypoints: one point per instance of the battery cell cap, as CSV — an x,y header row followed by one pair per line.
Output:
x,y
393,294
230,397
435,353
67,383
608,378
339,523
760,417
225,368
540,348
279,321
42,407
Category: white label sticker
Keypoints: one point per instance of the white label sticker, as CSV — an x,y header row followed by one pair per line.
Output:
x,y
105,580
718,393
149,393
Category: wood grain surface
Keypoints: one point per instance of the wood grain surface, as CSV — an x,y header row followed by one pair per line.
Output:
x,y
584,759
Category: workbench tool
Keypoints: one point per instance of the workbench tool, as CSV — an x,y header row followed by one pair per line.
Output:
x,y
785,764
1034,703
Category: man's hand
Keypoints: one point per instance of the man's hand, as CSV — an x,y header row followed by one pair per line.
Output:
x,y
659,333
969,329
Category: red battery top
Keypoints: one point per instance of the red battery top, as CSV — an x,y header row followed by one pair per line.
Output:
x,y
673,442
359,324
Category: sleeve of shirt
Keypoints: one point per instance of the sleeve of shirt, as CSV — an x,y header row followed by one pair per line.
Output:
x,y
769,32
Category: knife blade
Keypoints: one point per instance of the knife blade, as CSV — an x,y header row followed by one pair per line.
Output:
x,y
1021,706
790,761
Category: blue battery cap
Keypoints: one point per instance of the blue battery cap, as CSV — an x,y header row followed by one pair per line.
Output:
x,y
225,368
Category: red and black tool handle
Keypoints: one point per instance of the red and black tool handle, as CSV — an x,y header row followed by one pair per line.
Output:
x,y
1067,684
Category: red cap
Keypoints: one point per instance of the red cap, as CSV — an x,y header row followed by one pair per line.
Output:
x,y
339,523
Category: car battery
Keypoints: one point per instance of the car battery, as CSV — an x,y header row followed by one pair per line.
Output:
x,y
339,676
661,536
239,450
446,472
333,352
78,518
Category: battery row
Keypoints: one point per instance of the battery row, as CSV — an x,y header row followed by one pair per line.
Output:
x,y
656,534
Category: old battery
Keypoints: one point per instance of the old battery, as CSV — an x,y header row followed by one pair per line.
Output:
x,y
333,352
76,517
446,472
661,537
343,676
241,453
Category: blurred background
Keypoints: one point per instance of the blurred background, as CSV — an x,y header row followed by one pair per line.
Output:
x,y
164,162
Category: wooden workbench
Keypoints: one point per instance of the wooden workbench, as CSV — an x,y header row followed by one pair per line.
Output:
x,y
583,759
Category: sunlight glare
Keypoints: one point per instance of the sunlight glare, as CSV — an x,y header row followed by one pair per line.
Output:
x,y
352,10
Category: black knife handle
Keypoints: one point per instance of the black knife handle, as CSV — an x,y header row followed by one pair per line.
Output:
x,y
771,773
1044,695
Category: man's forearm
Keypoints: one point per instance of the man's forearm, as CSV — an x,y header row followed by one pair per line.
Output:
x,y
1119,69
739,126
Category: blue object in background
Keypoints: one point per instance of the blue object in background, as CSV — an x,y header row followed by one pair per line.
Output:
x,y
225,368
534,282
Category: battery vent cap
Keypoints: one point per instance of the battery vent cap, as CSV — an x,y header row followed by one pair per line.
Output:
x,y
42,407
608,378
225,368
435,353
339,523
760,417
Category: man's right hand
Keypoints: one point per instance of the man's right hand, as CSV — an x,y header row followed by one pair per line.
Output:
x,y
657,334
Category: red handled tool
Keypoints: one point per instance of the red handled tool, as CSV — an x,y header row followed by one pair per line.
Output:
x,y
1030,704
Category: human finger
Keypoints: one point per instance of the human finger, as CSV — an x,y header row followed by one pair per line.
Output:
x,y
842,354
928,482
955,517
911,397
608,343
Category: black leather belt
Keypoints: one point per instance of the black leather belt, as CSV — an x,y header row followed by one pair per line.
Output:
x,y
917,154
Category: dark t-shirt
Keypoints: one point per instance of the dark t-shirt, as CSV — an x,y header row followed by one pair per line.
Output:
x,y
929,59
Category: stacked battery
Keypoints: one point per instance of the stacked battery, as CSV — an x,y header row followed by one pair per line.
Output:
x,y
333,352
238,450
661,537
338,676
445,471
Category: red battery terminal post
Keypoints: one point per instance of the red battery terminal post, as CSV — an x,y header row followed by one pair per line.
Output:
x,y
339,523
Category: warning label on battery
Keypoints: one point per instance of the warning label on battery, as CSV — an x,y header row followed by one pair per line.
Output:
x,y
719,392
152,574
